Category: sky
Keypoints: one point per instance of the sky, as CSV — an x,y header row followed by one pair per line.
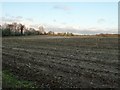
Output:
x,y
75,17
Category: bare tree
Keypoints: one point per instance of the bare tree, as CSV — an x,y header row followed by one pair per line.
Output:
x,y
21,28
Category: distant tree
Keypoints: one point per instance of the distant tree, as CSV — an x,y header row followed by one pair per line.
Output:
x,y
41,30
65,34
27,32
50,33
15,29
6,32
21,28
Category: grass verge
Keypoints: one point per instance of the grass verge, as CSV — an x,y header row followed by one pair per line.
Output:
x,y
10,81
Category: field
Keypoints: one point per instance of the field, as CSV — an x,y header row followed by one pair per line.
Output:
x,y
52,61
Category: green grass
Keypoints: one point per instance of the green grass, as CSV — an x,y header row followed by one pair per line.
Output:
x,y
10,81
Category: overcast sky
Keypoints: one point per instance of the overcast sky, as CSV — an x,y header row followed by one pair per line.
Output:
x,y
75,17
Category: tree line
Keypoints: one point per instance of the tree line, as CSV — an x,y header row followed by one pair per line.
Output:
x,y
15,29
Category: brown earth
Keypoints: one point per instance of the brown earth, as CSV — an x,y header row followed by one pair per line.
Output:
x,y
51,61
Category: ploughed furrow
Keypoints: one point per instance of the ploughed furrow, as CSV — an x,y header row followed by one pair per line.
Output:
x,y
81,64
55,47
63,62
57,60
66,43
72,60
88,77
72,57
65,56
67,68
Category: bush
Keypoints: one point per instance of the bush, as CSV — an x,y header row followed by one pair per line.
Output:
x,y
6,32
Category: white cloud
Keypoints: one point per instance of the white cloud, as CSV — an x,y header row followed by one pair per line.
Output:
x,y
101,21
54,20
61,7
60,27
19,19
30,19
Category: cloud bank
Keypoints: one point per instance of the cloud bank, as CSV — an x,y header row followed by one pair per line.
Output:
x,y
63,27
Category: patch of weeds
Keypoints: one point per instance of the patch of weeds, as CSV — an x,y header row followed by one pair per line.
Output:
x,y
10,81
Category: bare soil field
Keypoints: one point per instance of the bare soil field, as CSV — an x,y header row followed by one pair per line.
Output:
x,y
63,62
